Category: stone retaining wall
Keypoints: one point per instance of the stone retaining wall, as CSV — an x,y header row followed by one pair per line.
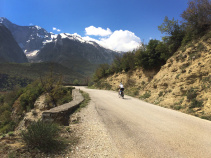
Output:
x,y
60,114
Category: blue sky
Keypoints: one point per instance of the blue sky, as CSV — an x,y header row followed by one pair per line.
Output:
x,y
134,20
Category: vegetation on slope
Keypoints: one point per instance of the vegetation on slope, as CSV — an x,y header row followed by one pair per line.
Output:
x,y
13,74
196,23
14,104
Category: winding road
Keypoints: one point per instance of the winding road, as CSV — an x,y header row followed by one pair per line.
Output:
x,y
142,130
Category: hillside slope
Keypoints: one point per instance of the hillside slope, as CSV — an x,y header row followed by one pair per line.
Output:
x,y
183,83
12,74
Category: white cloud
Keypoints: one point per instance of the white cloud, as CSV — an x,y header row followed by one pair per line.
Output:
x,y
87,38
55,29
119,40
91,30
77,34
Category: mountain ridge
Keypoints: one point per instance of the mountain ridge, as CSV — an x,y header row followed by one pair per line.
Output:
x,y
70,50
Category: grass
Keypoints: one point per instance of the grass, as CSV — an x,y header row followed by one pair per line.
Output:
x,y
132,91
206,117
85,102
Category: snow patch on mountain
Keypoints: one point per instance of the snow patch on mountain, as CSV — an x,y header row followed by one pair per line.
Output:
x,y
74,37
37,27
1,19
32,53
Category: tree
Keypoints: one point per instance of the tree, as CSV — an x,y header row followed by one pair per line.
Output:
x,y
175,34
116,65
52,85
76,82
128,61
197,16
169,26
102,71
163,51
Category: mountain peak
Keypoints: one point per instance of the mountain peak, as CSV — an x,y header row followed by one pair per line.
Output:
x,y
2,18
38,27
5,21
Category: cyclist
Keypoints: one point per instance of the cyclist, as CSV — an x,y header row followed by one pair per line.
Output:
x,y
121,88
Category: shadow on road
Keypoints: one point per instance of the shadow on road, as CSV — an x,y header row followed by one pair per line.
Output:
x,y
127,98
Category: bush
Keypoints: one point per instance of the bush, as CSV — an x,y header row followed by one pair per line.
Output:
x,y
160,93
191,94
30,95
146,95
200,47
43,136
195,103
64,95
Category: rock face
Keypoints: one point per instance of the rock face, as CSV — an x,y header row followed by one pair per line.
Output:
x,y
29,38
183,83
9,49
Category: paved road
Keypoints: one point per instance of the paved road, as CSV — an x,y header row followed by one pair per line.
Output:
x,y
140,129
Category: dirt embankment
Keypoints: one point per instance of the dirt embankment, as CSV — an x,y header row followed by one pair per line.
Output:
x,y
183,83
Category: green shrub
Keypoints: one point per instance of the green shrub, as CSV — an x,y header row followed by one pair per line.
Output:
x,y
207,117
191,94
146,95
176,106
86,100
63,95
200,47
43,136
103,85
195,103
76,82
30,95
160,93
7,127
11,134
143,83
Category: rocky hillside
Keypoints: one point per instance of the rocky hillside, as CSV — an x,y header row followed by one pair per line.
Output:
x,y
183,83
9,49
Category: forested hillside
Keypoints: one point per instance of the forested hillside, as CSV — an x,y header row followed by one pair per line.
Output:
x,y
13,74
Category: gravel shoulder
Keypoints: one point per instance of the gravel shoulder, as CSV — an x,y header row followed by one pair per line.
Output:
x,y
94,139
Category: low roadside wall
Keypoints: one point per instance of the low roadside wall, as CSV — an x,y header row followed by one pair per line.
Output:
x,y
60,114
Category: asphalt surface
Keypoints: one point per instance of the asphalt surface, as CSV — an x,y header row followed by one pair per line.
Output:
x,y
139,129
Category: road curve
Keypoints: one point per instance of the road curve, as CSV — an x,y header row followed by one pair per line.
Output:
x,y
143,130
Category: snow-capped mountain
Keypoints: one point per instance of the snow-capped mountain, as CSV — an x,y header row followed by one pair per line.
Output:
x,y
32,38
29,38
70,50
74,52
